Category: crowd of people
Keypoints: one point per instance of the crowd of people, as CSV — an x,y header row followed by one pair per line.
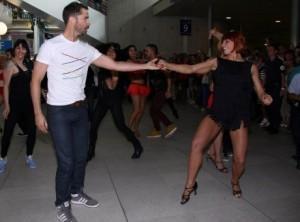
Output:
x,y
84,82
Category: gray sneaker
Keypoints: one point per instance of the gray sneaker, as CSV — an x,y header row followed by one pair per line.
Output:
x,y
64,213
84,199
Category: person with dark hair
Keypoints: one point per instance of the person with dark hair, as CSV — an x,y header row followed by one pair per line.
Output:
x,y
230,109
66,59
138,90
160,85
274,85
17,102
110,97
29,64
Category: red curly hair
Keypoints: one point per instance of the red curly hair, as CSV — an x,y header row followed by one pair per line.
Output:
x,y
238,39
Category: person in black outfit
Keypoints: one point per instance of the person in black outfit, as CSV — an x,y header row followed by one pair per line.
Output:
x,y
273,85
233,78
18,106
90,91
160,85
110,98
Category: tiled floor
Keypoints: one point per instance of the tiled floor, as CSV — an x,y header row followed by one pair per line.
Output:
x,y
148,189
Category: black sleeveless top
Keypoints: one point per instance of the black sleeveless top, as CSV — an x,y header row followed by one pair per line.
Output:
x,y
19,87
104,91
232,94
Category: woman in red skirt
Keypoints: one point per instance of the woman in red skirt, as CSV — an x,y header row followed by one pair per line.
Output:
x,y
138,90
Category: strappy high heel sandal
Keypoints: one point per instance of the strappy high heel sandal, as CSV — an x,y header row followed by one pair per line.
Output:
x,y
236,192
187,193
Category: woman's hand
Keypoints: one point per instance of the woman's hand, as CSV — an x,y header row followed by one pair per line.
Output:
x,y
266,99
215,33
153,64
162,64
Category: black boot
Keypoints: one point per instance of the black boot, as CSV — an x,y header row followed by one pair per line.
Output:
x,y
137,152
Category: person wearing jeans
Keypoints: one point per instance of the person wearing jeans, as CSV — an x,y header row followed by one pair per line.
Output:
x,y
66,59
68,126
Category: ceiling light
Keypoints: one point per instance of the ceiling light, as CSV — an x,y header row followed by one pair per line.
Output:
x,y
3,28
228,17
277,21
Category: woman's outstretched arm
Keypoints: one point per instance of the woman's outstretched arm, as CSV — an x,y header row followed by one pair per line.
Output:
x,y
199,68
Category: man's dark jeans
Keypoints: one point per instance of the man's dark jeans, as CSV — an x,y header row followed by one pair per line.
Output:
x,y
69,129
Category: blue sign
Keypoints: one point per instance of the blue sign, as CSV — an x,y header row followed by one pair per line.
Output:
x,y
185,26
5,44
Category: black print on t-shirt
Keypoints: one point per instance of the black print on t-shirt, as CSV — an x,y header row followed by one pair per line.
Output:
x,y
75,72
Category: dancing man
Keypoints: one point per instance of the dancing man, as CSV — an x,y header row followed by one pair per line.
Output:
x,y
66,59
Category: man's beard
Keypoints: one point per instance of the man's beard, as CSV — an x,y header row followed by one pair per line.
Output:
x,y
83,32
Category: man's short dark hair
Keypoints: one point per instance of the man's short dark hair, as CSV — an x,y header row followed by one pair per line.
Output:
x,y
72,9
153,47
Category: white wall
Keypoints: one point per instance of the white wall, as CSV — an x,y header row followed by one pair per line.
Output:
x,y
132,22
54,8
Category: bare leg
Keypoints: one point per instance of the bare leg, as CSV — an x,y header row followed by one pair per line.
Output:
x,y
240,142
214,153
206,131
218,148
135,111
215,148
141,105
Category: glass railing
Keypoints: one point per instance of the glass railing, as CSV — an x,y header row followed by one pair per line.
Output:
x,y
99,5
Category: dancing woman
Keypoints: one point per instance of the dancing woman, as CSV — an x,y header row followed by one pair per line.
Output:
x,y
18,106
138,91
110,98
233,78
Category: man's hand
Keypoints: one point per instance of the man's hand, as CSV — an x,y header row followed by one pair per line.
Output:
x,y
162,64
41,123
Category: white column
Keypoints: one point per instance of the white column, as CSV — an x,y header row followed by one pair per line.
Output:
x,y
295,23
185,42
209,27
36,36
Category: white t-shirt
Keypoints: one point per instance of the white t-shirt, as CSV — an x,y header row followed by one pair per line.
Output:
x,y
294,86
68,63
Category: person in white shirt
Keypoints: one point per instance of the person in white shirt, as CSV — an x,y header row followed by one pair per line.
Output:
x,y
66,59
294,100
